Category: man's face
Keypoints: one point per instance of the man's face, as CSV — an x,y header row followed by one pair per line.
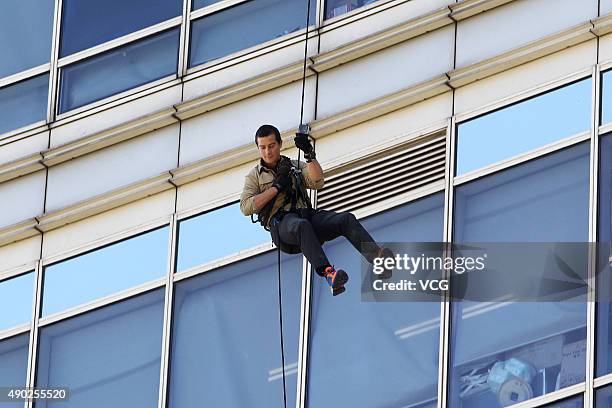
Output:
x,y
269,149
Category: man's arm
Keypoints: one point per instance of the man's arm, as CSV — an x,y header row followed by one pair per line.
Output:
x,y
312,175
261,199
252,199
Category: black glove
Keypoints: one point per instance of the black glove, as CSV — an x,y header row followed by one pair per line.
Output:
x,y
282,182
303,143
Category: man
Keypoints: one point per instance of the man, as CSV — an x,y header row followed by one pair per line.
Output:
x,y
275,190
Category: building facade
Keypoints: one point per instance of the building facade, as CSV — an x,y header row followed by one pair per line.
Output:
x,y
129,275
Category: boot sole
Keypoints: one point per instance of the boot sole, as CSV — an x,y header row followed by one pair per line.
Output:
x,y
339,283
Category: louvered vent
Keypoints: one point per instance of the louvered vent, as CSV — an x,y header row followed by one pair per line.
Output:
x,y
384,175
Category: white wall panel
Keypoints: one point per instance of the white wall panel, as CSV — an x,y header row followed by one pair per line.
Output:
x,y
115,116
385,128
605,7
19,253
247,69
113,167
235,125
605,48
524,77
517,23
23,147
108,224
385,72
377,22
22,198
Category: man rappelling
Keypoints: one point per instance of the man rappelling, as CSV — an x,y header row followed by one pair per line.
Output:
x,y
275,190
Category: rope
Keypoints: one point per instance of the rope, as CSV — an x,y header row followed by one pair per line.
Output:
x,y
280,296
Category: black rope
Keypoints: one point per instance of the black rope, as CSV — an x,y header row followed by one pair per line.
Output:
x,y
280,316
280,296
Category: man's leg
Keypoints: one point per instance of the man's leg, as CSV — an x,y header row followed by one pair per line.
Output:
x,y
294,230
329,225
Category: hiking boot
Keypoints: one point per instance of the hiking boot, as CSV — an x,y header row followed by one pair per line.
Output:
x,y
336,279
387,273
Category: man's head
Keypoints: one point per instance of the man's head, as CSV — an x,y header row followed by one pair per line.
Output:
x,y
269,143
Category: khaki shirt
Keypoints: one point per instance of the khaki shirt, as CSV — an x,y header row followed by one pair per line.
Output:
x,y
260,179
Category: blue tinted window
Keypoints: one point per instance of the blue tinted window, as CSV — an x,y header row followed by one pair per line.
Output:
x,y
226,335
335,8
203,3
544,342
213,235
23,103
603,397
119,70
576,402
25,34
105,271
525,126
604,308
606,97
244,26
16,301
107,358
14,364
367,354
86,23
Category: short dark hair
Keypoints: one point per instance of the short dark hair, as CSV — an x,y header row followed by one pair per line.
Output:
x,y
267,130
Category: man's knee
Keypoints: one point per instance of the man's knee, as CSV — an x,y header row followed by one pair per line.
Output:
x,y
349,218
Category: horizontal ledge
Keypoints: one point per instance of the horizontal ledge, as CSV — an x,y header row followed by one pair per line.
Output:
x,y
602,25
469,8
20,231
21,167
529,52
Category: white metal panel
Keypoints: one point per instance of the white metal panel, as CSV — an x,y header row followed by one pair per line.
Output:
x,y
247,69
24,147
19,253
525,77
385,128
235,125
22,198
214,189
112,167
378,22
517,23
385,72
110,223
605,49
115,116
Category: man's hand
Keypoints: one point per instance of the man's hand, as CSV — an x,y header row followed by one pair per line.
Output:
x,y
302,142
282,182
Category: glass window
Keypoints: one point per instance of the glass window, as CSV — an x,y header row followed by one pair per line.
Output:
x,y
109,357
369,354
105,271
576,402
335,8
213,235
603,397
226,335
86,23
606,97
244,26
604,307
118,70
26,28
523,127
507,352
23,103
16,301
197,4
14,364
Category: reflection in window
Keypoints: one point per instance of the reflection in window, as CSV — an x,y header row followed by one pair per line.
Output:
x,y
213,235
23,103
118,70
367,354
197,4
14,364
606,97
507,352
523,127
576,402
603,397
335,8
25,35
604,282
109,357
226,335
87,23
245,25
16,301
105,271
